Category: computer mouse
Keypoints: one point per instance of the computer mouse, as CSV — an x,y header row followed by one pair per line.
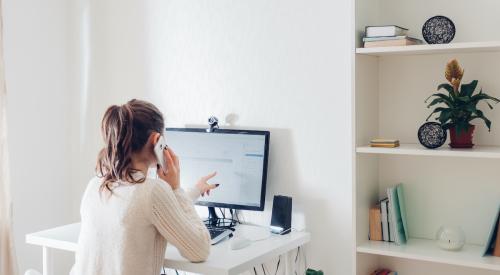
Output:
x,y
239,243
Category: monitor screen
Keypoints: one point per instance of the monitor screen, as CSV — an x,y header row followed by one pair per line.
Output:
x,y
238,156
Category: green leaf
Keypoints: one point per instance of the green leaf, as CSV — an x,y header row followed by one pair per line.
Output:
x,y
437,110
483,96
463,98
468,89
470,108
445,116
440,95
441,98
447,87
486,121
479,114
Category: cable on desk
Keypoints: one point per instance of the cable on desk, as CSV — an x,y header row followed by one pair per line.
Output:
x,y
255,270
224,223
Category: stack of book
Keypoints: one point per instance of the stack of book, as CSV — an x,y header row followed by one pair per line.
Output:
x,y
386,143
384,271
387,219
493,244
386,36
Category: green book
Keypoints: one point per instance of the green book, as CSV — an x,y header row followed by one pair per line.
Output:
x,y
400,234
402,208
488,250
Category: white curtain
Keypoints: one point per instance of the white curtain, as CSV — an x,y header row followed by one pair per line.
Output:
x,y
8,264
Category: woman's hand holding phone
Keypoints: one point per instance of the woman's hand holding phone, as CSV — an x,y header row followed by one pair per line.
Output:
x,y
173,175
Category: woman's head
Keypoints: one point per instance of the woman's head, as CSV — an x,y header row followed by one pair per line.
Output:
x,y
128,130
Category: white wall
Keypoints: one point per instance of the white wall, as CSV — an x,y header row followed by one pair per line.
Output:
x,y
35,37
278,65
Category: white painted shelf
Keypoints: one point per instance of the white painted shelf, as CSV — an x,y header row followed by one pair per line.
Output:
x,y
492,152
427,250
464,47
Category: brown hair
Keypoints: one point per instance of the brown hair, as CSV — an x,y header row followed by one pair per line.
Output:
x,y
125,130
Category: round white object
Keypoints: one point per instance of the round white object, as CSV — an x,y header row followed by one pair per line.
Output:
x,y
450,238
238,243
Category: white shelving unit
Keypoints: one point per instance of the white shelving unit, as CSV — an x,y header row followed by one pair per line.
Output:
x,y
427,250
442,186
464,47
489,152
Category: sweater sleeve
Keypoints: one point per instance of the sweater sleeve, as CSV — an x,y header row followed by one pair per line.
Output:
x,y
193,193
174,216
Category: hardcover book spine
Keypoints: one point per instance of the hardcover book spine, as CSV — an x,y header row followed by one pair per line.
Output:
x,y
375,224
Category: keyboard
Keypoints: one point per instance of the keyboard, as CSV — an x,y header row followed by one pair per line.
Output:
x,y
218,234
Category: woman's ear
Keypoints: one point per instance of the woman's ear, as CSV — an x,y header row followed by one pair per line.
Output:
x,y
153,138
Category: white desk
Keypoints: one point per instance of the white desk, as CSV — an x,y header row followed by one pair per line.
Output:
x,y
222,260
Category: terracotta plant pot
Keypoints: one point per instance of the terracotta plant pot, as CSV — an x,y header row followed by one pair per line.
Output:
x,y
462,140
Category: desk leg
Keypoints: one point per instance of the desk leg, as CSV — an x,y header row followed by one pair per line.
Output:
x,y
48,264
287,263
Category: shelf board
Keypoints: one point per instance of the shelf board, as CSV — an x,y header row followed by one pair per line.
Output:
x,y
463,47
427,250
492,152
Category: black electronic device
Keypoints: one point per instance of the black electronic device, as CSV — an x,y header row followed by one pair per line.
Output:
x,y
281,220
239,157
217,234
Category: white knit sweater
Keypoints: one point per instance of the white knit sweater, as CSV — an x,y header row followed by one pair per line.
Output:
x,y
127,233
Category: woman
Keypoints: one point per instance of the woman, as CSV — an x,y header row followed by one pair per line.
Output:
x,y
126,218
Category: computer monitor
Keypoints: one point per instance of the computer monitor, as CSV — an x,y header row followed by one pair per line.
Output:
x,y
238,156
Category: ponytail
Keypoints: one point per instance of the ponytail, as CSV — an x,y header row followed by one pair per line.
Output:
x,y
125,130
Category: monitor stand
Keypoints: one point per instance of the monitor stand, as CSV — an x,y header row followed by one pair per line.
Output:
x,y
213,219
216,221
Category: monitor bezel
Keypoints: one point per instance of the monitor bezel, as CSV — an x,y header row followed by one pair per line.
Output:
x,y
266,134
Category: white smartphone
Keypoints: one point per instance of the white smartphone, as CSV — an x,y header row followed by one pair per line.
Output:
x,y
160,146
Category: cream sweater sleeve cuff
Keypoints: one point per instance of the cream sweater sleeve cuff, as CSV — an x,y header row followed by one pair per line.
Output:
x,y
194,193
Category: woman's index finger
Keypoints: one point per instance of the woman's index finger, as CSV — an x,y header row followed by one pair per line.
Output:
x,y
209,176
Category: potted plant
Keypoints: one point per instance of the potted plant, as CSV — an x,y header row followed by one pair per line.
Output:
x,y
459,106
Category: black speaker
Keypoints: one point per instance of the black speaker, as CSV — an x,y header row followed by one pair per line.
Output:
x,y
281,220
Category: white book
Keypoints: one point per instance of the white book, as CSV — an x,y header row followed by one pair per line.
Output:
x,y
389,220
391,211
385,220
391,30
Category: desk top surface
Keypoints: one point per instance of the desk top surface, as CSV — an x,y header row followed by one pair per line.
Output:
x,y
222,259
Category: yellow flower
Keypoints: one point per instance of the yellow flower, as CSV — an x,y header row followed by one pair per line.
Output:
x,y
454,74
